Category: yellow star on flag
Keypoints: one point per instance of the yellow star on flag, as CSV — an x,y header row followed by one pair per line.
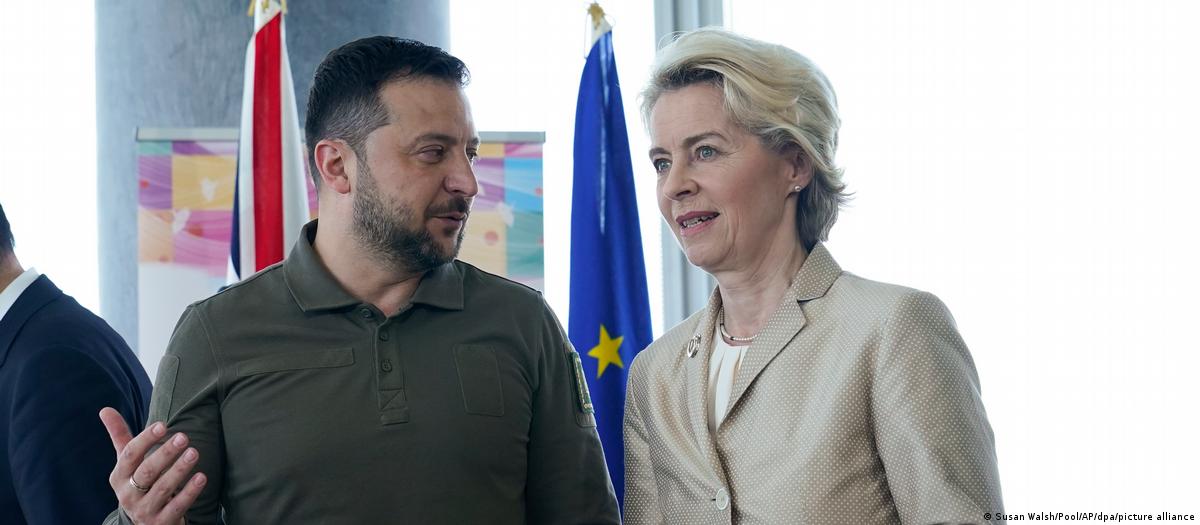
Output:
x,y
606,352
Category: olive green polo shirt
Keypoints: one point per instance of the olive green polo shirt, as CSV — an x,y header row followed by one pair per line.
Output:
x,y
310,406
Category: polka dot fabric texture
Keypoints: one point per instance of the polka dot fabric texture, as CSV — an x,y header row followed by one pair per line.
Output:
x,y
858,404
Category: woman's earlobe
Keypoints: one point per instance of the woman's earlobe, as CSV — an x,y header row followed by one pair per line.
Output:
x,y
802,168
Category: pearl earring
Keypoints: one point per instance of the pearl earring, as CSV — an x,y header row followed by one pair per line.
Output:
x,y
796,189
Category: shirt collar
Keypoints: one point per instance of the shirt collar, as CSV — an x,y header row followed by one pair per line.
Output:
x,y
12,292
442,287
315,289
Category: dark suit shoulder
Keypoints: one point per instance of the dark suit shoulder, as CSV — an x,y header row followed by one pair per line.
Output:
x,y
63,322
62,335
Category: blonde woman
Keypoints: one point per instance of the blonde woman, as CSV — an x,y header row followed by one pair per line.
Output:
x,y
802,393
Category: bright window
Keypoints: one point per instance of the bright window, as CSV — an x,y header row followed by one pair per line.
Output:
x,y
48,142
526,59
1033,164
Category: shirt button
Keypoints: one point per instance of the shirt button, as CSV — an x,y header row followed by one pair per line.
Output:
x,y
366,313
386,365
721,499
383,336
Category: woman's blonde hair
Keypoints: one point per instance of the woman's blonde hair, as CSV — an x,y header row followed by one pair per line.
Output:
x,y
773,92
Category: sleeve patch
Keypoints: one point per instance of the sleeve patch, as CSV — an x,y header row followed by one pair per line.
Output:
x,y
582,395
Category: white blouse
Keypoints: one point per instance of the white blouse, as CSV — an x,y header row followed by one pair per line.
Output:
x,y
722,368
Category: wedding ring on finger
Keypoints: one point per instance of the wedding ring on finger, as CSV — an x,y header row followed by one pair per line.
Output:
x,y
137,487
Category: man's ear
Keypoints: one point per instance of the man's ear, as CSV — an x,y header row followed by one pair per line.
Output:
x,y
336,162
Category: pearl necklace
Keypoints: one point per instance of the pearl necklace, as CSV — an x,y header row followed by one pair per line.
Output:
x,y
721,324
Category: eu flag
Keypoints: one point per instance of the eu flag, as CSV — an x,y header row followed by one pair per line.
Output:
x,y
610,310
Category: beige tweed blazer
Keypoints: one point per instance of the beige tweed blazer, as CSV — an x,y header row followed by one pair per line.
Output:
x,y
858,404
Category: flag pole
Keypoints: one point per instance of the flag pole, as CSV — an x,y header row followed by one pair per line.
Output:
x,y
599,23
262,6
597,14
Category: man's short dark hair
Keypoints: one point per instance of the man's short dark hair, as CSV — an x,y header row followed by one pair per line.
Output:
x,y
344,100
6,238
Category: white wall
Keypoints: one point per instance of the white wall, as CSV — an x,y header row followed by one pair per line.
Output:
x,y
526,59
48,141
1032,162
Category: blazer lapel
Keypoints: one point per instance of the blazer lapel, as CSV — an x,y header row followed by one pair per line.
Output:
x,y
696,351
814,278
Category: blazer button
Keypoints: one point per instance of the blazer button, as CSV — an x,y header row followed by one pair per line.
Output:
x,y
721,499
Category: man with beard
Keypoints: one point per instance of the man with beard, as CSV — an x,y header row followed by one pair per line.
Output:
x,y
371,377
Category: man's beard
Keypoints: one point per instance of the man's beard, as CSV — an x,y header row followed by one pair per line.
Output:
x,y
383,228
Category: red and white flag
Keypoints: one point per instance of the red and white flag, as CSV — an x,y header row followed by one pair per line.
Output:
x,y
271,203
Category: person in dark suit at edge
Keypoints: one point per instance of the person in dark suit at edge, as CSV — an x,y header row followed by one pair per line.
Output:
x,y
59,365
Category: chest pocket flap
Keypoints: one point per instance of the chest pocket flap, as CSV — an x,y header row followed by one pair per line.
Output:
x,y
301,360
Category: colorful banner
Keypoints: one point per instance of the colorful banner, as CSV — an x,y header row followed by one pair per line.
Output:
x,y
504,233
